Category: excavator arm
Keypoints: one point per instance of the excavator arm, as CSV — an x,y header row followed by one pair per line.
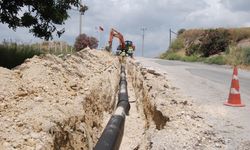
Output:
x,y
114,33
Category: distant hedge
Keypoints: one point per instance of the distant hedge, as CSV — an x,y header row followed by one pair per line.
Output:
x,y
14,55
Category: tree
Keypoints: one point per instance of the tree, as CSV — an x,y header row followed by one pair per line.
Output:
x,y
41,16
82,41
180,32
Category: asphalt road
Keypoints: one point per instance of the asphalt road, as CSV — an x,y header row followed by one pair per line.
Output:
x,y
208,87
214,73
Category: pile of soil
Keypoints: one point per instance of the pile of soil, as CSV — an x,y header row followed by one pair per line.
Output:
x,y
57,103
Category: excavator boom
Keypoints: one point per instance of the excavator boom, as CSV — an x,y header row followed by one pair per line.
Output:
x,y
114,33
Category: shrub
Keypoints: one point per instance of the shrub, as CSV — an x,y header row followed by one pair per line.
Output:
x,y
177,44
213,42
83,41
180,32
246,56
192,50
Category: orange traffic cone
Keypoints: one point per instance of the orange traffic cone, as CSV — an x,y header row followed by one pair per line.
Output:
x,y
234,94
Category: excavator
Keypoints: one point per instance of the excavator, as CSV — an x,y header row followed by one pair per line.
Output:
x,y
125,48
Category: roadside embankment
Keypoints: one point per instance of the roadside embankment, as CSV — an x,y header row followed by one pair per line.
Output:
x,y
213,46
170,120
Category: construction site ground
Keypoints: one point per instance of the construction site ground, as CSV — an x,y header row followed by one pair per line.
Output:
x,y
64,103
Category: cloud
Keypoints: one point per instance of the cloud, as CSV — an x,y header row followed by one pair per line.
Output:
x,y
158,16
237,5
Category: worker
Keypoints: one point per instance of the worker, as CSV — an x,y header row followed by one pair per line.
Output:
x,y
130,51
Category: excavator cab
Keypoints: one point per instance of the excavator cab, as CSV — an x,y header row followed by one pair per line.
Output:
x,y
129,48
118,50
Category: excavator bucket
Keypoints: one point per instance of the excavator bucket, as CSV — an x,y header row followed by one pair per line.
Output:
x,y
108,48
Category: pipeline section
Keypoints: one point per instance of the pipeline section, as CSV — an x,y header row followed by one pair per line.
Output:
x,y
112,135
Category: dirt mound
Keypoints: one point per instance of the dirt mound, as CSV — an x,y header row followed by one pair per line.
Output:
x,y
50,102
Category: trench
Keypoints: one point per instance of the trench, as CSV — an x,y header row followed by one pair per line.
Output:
x,y
83,132
143,113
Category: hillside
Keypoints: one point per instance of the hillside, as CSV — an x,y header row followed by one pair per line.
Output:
x,y
219,46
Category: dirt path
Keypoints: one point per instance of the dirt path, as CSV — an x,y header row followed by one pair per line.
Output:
x,y
135,123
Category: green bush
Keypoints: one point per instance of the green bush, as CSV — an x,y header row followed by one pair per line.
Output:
x,y
246,56
192,58
235,56
220,60
170,56
192,50
14,55
177,45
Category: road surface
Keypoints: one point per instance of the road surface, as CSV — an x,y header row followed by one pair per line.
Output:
x,y
208,86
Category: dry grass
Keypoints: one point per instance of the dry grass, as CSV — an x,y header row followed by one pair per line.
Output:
x,y
236,34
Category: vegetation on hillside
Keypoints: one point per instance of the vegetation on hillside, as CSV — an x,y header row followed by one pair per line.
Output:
x,y
219,46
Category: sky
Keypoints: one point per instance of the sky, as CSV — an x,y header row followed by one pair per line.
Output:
x,y
157,16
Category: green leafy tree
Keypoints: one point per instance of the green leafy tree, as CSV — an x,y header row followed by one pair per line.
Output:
x,y
82,41
42,17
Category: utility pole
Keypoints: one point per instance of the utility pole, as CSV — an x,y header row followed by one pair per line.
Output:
x,y
170,40
82,10
80,25
170,37
143,36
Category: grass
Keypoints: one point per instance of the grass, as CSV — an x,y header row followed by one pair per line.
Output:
x,y
219,60
192,58
14,55
175,56
170,56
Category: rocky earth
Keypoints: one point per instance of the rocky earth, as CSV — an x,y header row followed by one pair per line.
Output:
x,y
64,103
54,103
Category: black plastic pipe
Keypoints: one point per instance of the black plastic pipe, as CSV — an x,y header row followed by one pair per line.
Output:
x,y
112,135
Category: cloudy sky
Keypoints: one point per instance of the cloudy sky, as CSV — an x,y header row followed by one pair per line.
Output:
x,y
158,16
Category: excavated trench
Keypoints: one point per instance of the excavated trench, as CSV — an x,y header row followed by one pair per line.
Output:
x,y
61,104
145,99
143,113
81,132
147,121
